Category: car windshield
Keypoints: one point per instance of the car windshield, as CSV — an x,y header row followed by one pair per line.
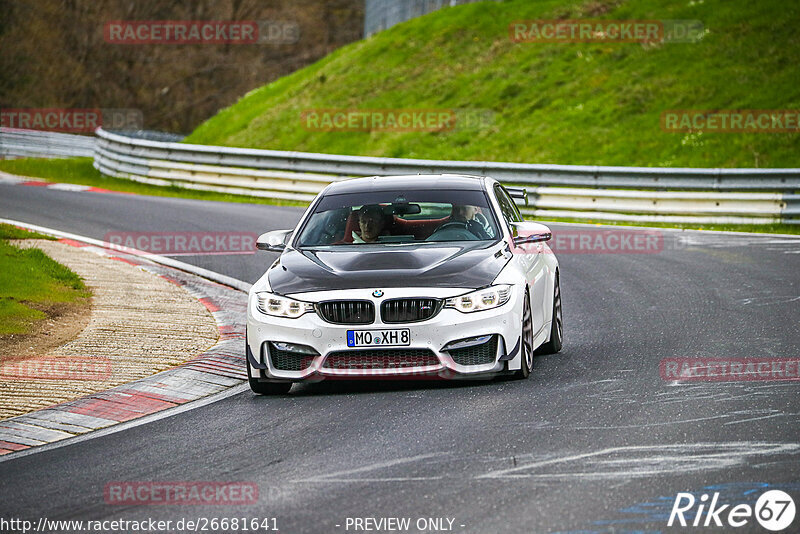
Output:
x,y
398,217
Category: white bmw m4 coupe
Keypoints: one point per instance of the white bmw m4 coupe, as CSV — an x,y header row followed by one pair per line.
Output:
x,y
404,276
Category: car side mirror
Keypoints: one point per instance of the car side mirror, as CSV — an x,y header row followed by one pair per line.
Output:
x,y
274,241
530,232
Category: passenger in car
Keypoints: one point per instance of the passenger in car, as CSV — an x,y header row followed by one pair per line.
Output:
x,y
371,222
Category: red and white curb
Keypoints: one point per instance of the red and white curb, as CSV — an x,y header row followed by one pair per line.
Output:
x,y
12,179
209,374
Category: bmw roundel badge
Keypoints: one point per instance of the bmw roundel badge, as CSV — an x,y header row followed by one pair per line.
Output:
x,y
377,293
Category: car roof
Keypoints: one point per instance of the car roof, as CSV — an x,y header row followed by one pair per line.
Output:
x,y
414,182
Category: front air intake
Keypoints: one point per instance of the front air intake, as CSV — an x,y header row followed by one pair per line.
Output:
x,y
380,359
476,354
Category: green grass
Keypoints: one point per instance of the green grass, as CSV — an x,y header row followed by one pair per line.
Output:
x,y
69,170
8,231
567,103
80,171
31,283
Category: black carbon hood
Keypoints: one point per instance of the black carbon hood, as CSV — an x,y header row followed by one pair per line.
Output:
x,y
467,265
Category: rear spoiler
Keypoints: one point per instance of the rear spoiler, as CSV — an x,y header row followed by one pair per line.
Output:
x,y
518,193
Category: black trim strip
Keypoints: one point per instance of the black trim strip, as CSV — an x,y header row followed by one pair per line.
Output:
x,y
252,361
513,353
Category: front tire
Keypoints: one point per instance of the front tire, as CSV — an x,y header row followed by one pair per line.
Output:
x,y
526,347
557,324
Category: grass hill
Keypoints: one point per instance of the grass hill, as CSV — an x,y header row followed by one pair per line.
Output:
x,y
568,103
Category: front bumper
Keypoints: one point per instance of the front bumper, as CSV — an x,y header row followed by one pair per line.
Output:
x,y
430,338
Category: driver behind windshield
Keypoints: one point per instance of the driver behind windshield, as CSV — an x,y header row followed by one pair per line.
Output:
x,y
466,214
371,222
463,213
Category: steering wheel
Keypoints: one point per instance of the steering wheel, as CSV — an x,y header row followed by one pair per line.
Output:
x,y
452,224
452,231
483,221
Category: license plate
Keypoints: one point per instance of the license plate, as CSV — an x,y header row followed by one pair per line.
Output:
x,y
398,337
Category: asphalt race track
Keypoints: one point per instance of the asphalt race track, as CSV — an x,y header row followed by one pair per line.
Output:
x,y
595,440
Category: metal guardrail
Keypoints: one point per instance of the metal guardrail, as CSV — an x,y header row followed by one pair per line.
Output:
x,y
705,196
38,144
635,194
19,143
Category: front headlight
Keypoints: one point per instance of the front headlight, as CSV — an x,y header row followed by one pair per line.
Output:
x,y
278,306
482,299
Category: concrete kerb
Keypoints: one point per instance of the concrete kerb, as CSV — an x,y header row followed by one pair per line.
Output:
x,y
213,375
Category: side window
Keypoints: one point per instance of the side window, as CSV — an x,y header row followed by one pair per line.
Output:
x,y
507,206
517,214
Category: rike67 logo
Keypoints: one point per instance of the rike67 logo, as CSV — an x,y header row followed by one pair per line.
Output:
x,y
774,510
